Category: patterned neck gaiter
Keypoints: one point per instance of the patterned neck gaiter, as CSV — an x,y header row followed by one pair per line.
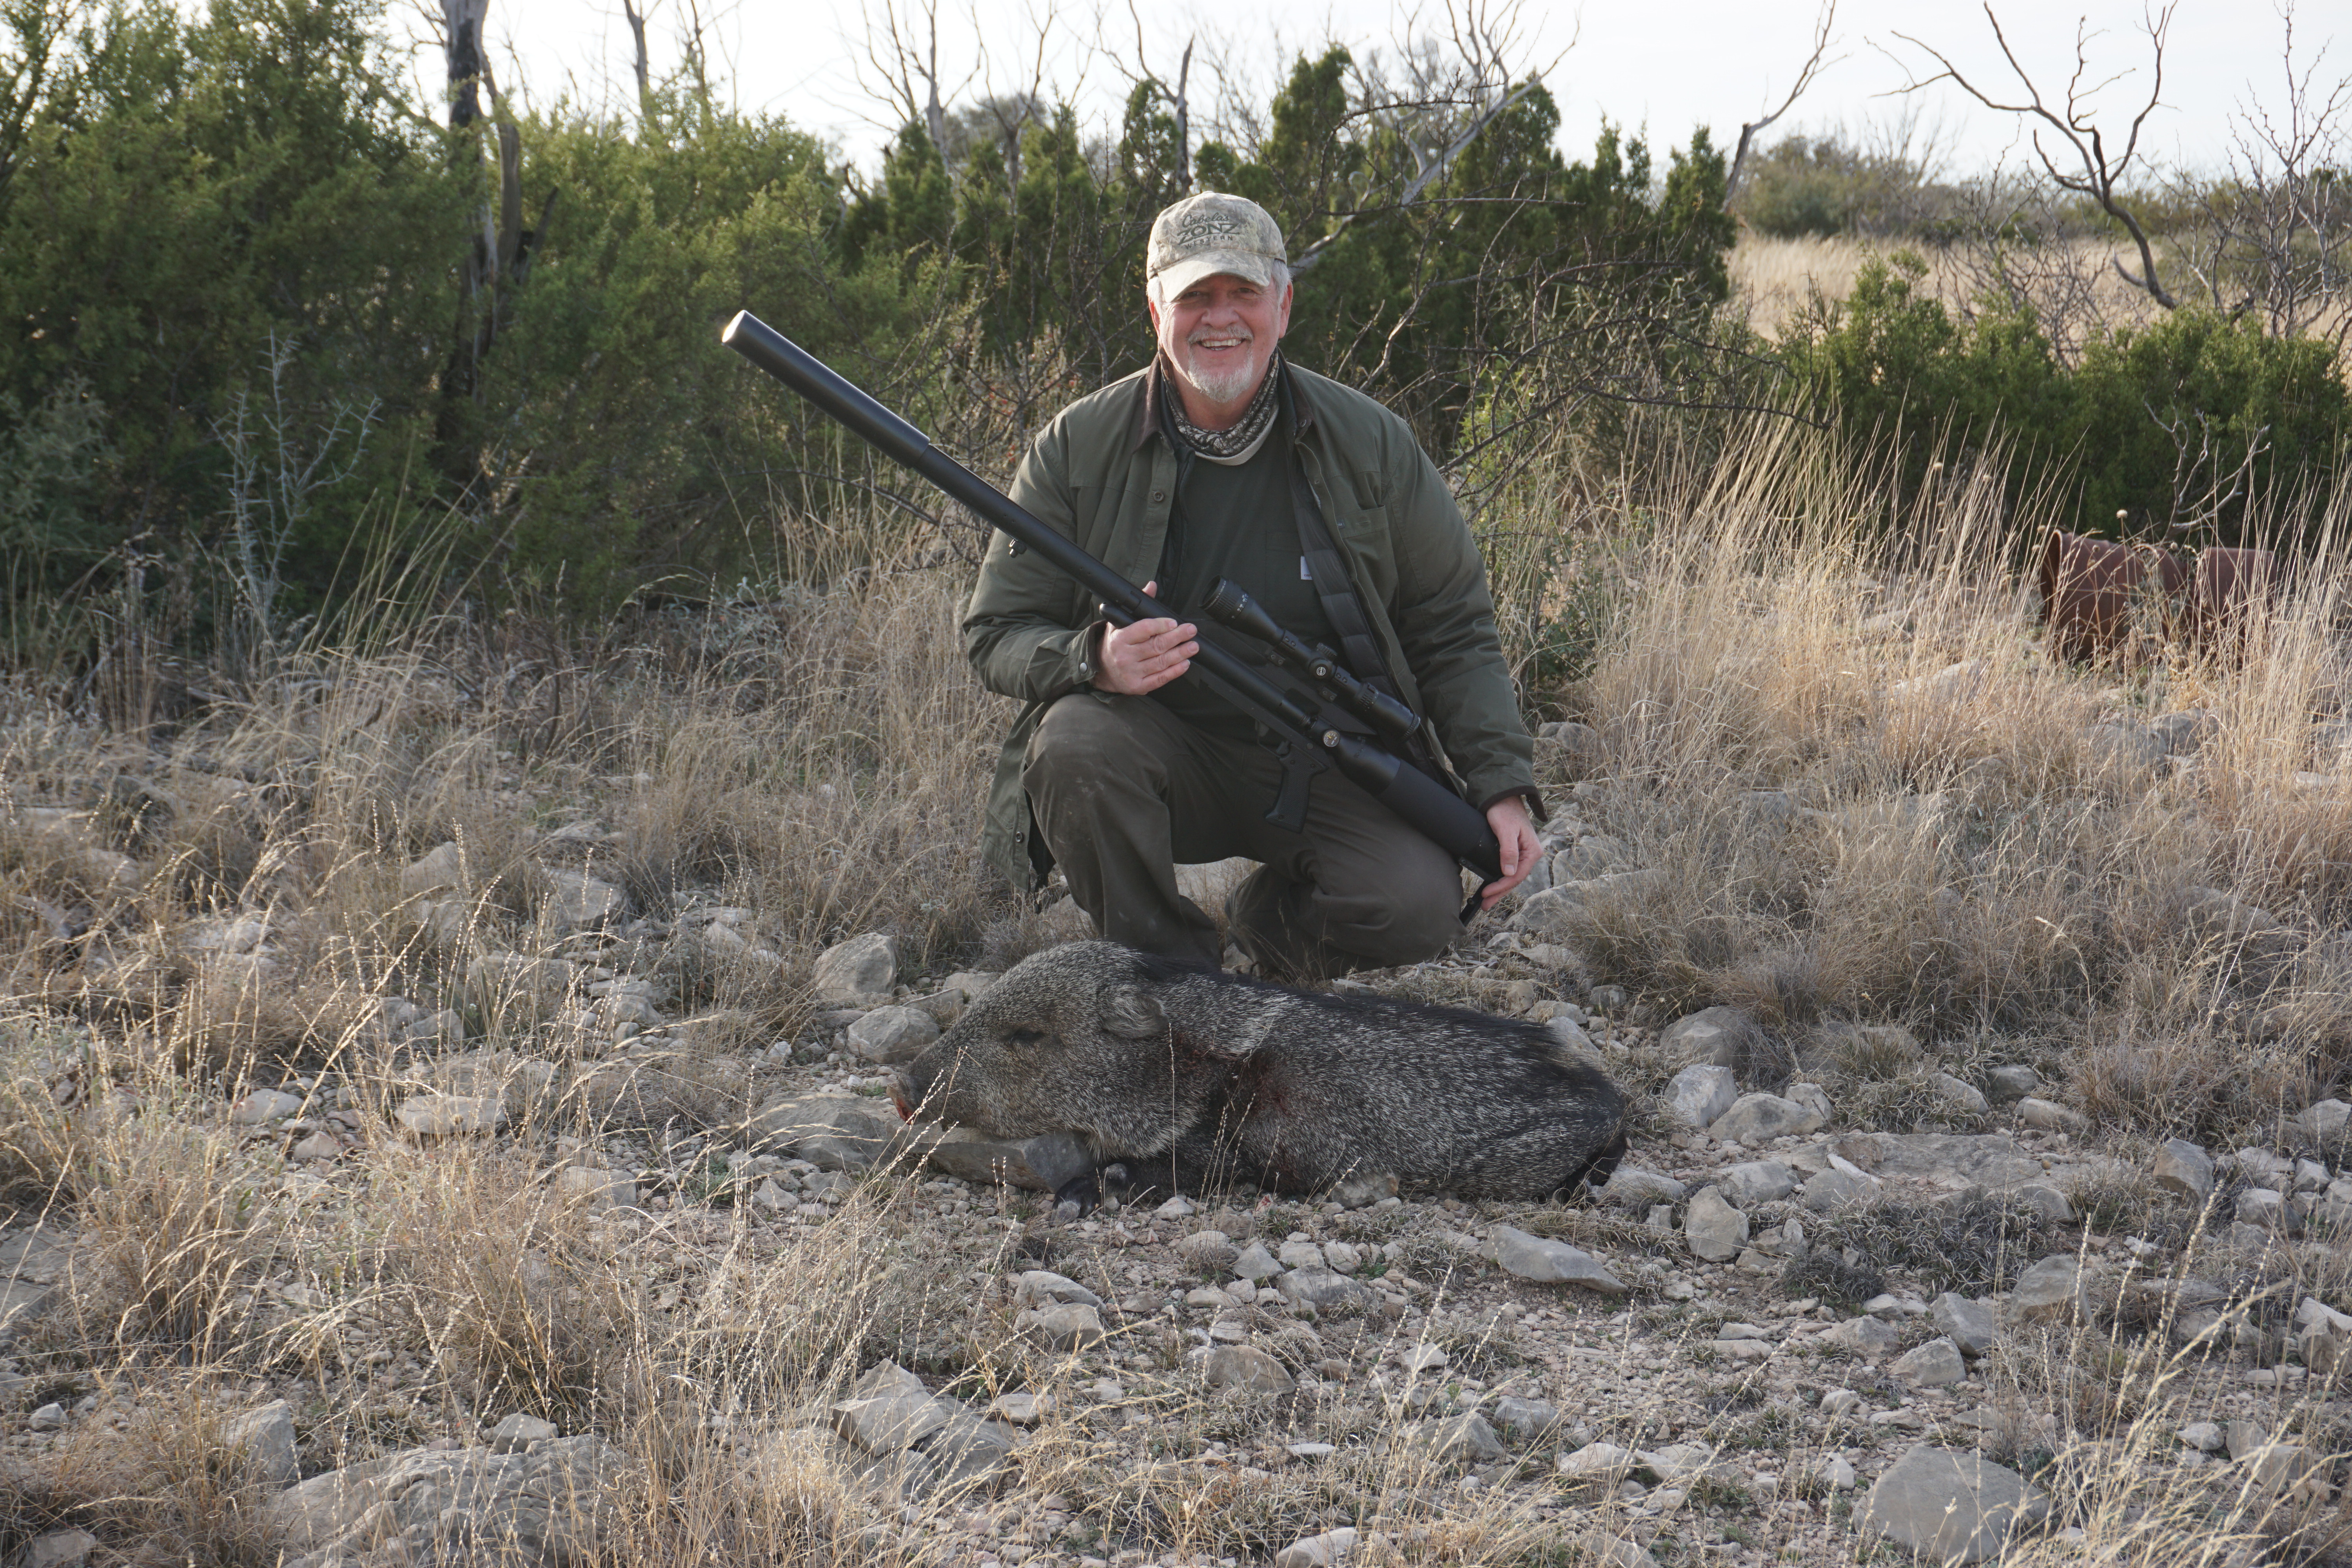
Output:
x,y
1244,436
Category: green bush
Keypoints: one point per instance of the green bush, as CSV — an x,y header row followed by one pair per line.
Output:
x,y
2193,423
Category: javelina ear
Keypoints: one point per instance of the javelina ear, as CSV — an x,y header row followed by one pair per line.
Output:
x,y
1132,1012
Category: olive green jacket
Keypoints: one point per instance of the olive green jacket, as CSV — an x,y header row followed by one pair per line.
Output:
x,y
1103,474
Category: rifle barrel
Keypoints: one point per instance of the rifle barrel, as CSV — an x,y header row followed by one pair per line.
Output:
x,y
1449,821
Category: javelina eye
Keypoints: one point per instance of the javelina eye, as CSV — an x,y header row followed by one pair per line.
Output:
x,y
1026,1037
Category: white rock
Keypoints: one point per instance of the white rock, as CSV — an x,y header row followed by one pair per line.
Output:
x,y
1701,1094
890,1035
1324,1551
1713,1229
451,1115
1756,1182
2049,1116
1961,1092
1932,1365
1949,1508
859,972
1549,1262
1245,1367
577,901
2184,1169
1754,1118
1714,1036
264,1105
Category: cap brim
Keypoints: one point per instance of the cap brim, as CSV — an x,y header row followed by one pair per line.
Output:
x,y
1250,265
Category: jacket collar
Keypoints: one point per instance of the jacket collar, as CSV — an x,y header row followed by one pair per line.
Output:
x,y
1147,414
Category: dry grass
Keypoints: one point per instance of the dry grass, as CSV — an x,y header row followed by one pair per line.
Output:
x,y
1953,841
1868,794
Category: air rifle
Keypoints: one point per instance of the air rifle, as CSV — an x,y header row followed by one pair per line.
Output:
x,y
1306,744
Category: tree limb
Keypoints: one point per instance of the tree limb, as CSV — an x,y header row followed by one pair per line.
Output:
x,y
1815,65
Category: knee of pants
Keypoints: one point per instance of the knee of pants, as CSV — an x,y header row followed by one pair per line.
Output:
x,y
1083,736
1421,921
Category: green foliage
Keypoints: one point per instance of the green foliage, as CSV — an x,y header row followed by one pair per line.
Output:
x,y
2192,417
183,194
2187,423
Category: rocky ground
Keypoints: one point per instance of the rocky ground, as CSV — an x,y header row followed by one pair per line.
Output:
x,y
1773,1335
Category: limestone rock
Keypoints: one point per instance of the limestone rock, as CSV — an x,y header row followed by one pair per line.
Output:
x,y
263,1438
1968,1324
450,1115
833,1132
1987,1159
1931,1365
1630,1186
859,972
1701,1093
1070,1327
1324,1551
1464,1439
517,1431
1043,1287
1949,1508
1525,1418
2049,1116
264,1105
544,1508
1321,1290
890,1035
1553,915
2013,1082
1550,1262
1754,1182
1714,1229
57,1548
1245,1367
2053,1290
2184,1169
598,1188
1041,1165
1864,1336
1833,1190
1755,1118
1959,1092
1716,1037
1255,1263
441,868
576,901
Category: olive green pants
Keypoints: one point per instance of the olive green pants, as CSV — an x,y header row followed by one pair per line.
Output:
x,y
1124,792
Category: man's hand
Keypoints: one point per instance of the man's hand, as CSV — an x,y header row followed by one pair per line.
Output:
x,y
1517,834
1146,655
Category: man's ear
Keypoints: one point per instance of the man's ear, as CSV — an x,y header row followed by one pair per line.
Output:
x,y
1131,1012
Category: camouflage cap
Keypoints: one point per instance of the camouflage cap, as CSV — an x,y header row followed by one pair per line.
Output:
x,y
1212,233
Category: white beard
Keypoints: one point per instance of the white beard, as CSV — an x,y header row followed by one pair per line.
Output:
x,y
1222,386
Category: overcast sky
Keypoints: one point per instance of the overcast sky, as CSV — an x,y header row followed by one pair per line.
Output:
x,y
1668,65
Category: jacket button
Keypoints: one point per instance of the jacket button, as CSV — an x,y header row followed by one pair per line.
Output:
x,y
1159,495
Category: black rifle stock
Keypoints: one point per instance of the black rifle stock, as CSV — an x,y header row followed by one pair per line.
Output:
x,y
1305,740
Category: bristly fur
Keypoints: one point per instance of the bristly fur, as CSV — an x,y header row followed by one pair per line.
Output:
x,y
1187,1075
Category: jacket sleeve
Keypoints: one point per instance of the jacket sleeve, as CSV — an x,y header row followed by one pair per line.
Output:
x,y
1026,627
1445,621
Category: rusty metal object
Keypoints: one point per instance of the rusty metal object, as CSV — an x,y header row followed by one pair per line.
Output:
x,y
2088,585
2232,587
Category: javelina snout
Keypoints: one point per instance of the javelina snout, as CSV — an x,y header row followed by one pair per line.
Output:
x,y
1186,1075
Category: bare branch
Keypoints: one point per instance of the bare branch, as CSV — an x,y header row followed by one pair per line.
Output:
x,y
2090,171
1815,63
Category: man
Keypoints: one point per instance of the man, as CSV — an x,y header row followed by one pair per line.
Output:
x,y
1220,461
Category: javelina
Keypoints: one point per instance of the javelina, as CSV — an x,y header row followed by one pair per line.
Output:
x,y
1185,1075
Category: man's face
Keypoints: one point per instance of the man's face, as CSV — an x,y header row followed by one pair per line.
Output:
x,y
1219,334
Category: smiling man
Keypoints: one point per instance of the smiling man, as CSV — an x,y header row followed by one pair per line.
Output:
x,y
1222,460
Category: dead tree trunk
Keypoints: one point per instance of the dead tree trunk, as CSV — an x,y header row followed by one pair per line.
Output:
x,y
498,247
